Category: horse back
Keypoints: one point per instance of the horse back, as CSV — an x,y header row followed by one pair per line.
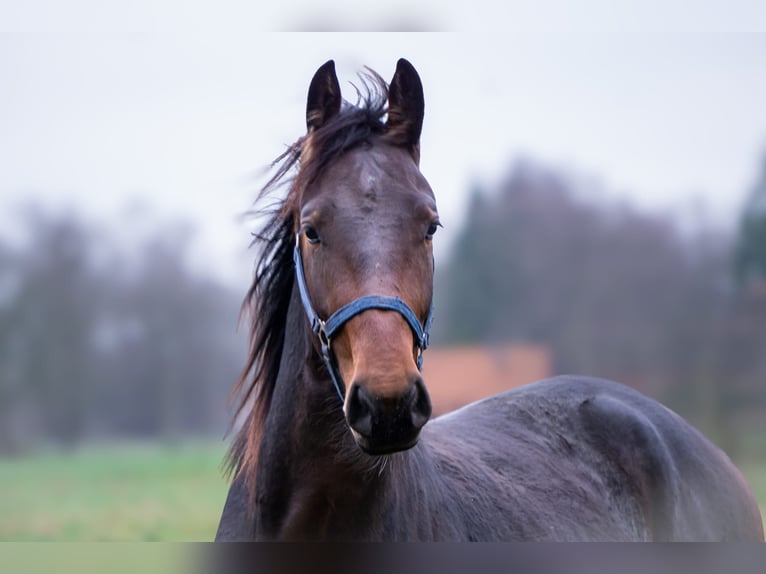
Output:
x,y
602,460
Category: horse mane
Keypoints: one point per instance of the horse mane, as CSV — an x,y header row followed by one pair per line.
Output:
x,y
267,300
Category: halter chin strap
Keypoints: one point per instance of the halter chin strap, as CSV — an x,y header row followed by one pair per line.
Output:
x,y
325,330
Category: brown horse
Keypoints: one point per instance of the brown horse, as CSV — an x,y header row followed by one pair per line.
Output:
x,y
335,443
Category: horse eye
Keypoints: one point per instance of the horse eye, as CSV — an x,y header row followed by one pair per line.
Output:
x,y
432,229
311,235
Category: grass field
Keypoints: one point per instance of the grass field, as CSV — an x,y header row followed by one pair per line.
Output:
x,y
129,493
756,476
121,493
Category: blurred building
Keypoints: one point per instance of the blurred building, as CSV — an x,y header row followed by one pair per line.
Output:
x,y
456,376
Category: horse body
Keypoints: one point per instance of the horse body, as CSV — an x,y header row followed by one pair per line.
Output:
x,y
571,458
576,458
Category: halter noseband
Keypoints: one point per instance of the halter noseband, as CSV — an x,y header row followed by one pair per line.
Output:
x,y
325,330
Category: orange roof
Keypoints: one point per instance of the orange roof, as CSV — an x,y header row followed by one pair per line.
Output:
x,y
456,376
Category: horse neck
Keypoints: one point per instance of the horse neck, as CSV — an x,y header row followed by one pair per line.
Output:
x,y
310,473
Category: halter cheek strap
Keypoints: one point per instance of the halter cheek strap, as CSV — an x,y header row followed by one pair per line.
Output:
x,y
325,330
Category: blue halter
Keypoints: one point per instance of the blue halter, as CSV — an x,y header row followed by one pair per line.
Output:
x,y
325,330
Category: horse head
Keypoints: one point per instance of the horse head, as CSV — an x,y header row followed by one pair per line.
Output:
x,y
365,220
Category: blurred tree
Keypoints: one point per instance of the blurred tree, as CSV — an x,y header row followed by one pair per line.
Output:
x,y
9,292
750,254
613,292
101,339
169,342
54,318
743,338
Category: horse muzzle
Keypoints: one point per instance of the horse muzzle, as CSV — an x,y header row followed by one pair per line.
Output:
x,y
384,425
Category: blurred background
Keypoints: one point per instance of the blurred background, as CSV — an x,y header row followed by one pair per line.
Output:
x,y
601,177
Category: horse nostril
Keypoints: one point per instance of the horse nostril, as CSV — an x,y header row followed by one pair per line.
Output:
x,y
358,410
420,407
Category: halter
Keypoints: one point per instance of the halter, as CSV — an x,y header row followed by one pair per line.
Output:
x,y
324,330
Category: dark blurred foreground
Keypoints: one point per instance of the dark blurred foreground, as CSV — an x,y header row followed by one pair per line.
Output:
x,y
101,341
583,558
452,558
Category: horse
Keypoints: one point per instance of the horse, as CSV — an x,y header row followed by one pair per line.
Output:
x,y
337,441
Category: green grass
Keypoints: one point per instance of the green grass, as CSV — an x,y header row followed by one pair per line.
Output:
x,y
131,493
755,473
120,493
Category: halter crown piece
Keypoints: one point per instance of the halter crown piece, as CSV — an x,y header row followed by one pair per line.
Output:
x,y
325,330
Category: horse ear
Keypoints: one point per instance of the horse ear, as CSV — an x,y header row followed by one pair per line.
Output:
x,y
324,96
405,107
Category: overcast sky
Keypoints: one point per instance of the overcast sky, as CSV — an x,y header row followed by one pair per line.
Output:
x,y
182,107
